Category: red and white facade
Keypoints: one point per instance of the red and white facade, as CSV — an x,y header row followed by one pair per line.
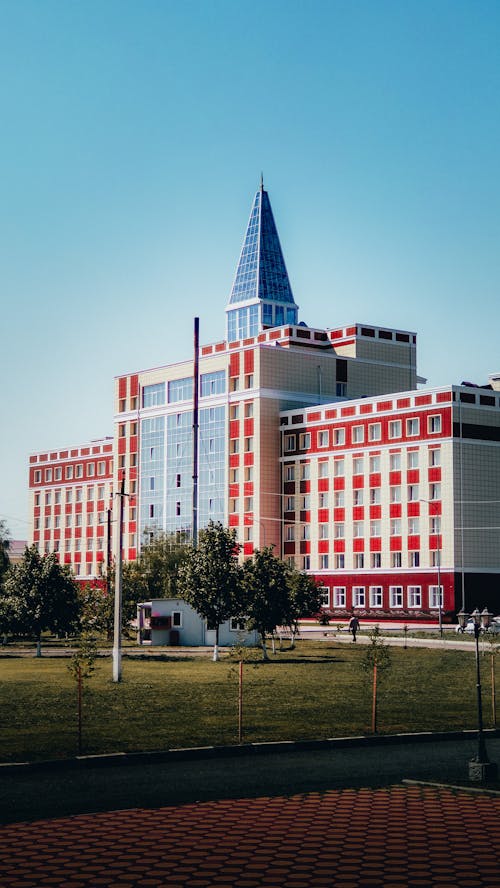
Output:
x,y
394,502
70,494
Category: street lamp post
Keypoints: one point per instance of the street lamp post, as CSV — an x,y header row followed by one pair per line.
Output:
x,y
480,767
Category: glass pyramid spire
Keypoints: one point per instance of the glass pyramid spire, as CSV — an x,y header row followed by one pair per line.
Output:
x,y
261,287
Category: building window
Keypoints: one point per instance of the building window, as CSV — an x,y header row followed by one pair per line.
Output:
x,y
290,473
340,561
249,381
323,469
249,409
375,496
395,428
395,462
305,441
177,619
359,561
412,459
249,473
339,499
374,431
357,497
414,596
290,504
213,383
376,560
58,473
323,532
413,493
289,443
434,424
434,491
358,434
249,505
78,520
37,499
412,427
435,597
79,471
434,457
339,436
338,468
339,531
374,464
90,493
396,559
375,528
48,474
358,465
341,389
324,594
435,524
414,559
180,390
395,494
101,468
358,530
237,624
358,596
323,562
305,503
305,471
413,526
306,562
48,497
69,473
248,445
290,533
375,596
323,438
395,596
322,500
339,596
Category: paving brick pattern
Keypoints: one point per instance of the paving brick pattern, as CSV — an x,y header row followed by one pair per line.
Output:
x,y
400,837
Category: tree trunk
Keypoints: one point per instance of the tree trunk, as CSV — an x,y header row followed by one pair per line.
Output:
x,y
273,642
264,648
374,701
216,645
39,646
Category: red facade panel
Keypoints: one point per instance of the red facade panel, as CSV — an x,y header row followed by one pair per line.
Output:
x,y
234,364
122,387
248,360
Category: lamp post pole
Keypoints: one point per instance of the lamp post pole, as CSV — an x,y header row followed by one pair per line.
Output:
x,y
480,767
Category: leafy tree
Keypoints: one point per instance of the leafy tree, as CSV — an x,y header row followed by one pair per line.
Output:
x,y
39,595
210,577
266,594
4,550
304,599
376,660
97,608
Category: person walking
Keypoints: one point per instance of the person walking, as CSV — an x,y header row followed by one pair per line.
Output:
x,y
353,626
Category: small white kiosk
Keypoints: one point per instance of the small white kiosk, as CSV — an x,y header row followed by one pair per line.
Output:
x,y
172,621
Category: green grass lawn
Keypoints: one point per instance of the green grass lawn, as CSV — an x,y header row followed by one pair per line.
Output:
x,y
316,691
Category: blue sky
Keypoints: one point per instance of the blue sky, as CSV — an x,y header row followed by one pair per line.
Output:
x,y
133,137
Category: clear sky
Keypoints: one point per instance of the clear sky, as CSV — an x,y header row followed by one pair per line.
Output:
x,y
133,135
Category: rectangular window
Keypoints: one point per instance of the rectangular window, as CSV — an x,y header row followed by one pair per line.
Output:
x,y
358,434
434,424
249,504
339,531
90,519
69,473
395,462
376,560
323,532
78,520
290,473
290,503
234,411
396,559
339,499
435,597
413,493
79,495
339,436
358,596
435,524
177,619
179,390
58,473
79,471
357,497
395,428
322,500
248,445
374,464
375,431
395,527
249,381
375,596
413,526
375,496
234,445
395,494
412,427
434,457
434,491
305,503
306,562
323,438
358,530
359,561
57,497
340,561
237,624
305,441
101,468
90,470
289,443
375,528
69,496
324,593
339,596
249,409
323,469
323,562
213,383
414,596
414,559
358,465
48,474
48,498
305,471
412,459
338,468
290,533
90,494
395,596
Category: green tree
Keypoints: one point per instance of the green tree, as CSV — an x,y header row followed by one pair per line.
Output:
x,y
304,599
4,550
210,577
39,595
376,660
266,596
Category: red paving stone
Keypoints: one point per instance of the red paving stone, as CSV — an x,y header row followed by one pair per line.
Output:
x,y
400,837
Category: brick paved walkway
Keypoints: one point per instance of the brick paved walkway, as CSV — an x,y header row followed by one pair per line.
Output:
x,y
400,837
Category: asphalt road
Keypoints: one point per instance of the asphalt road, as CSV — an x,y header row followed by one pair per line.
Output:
x,y
34,794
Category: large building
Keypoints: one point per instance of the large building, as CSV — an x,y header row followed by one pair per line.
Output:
x,y
313,440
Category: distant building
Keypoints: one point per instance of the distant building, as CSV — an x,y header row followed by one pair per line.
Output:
x,y
16,550
316,441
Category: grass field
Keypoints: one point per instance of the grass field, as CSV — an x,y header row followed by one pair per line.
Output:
x,y
316,691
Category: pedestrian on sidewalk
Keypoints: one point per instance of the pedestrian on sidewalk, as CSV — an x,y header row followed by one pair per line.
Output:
x,y
353,626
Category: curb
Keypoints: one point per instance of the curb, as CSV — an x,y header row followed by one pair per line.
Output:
x,y
117,759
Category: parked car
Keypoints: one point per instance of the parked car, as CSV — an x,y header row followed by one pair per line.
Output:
x,y
493,628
